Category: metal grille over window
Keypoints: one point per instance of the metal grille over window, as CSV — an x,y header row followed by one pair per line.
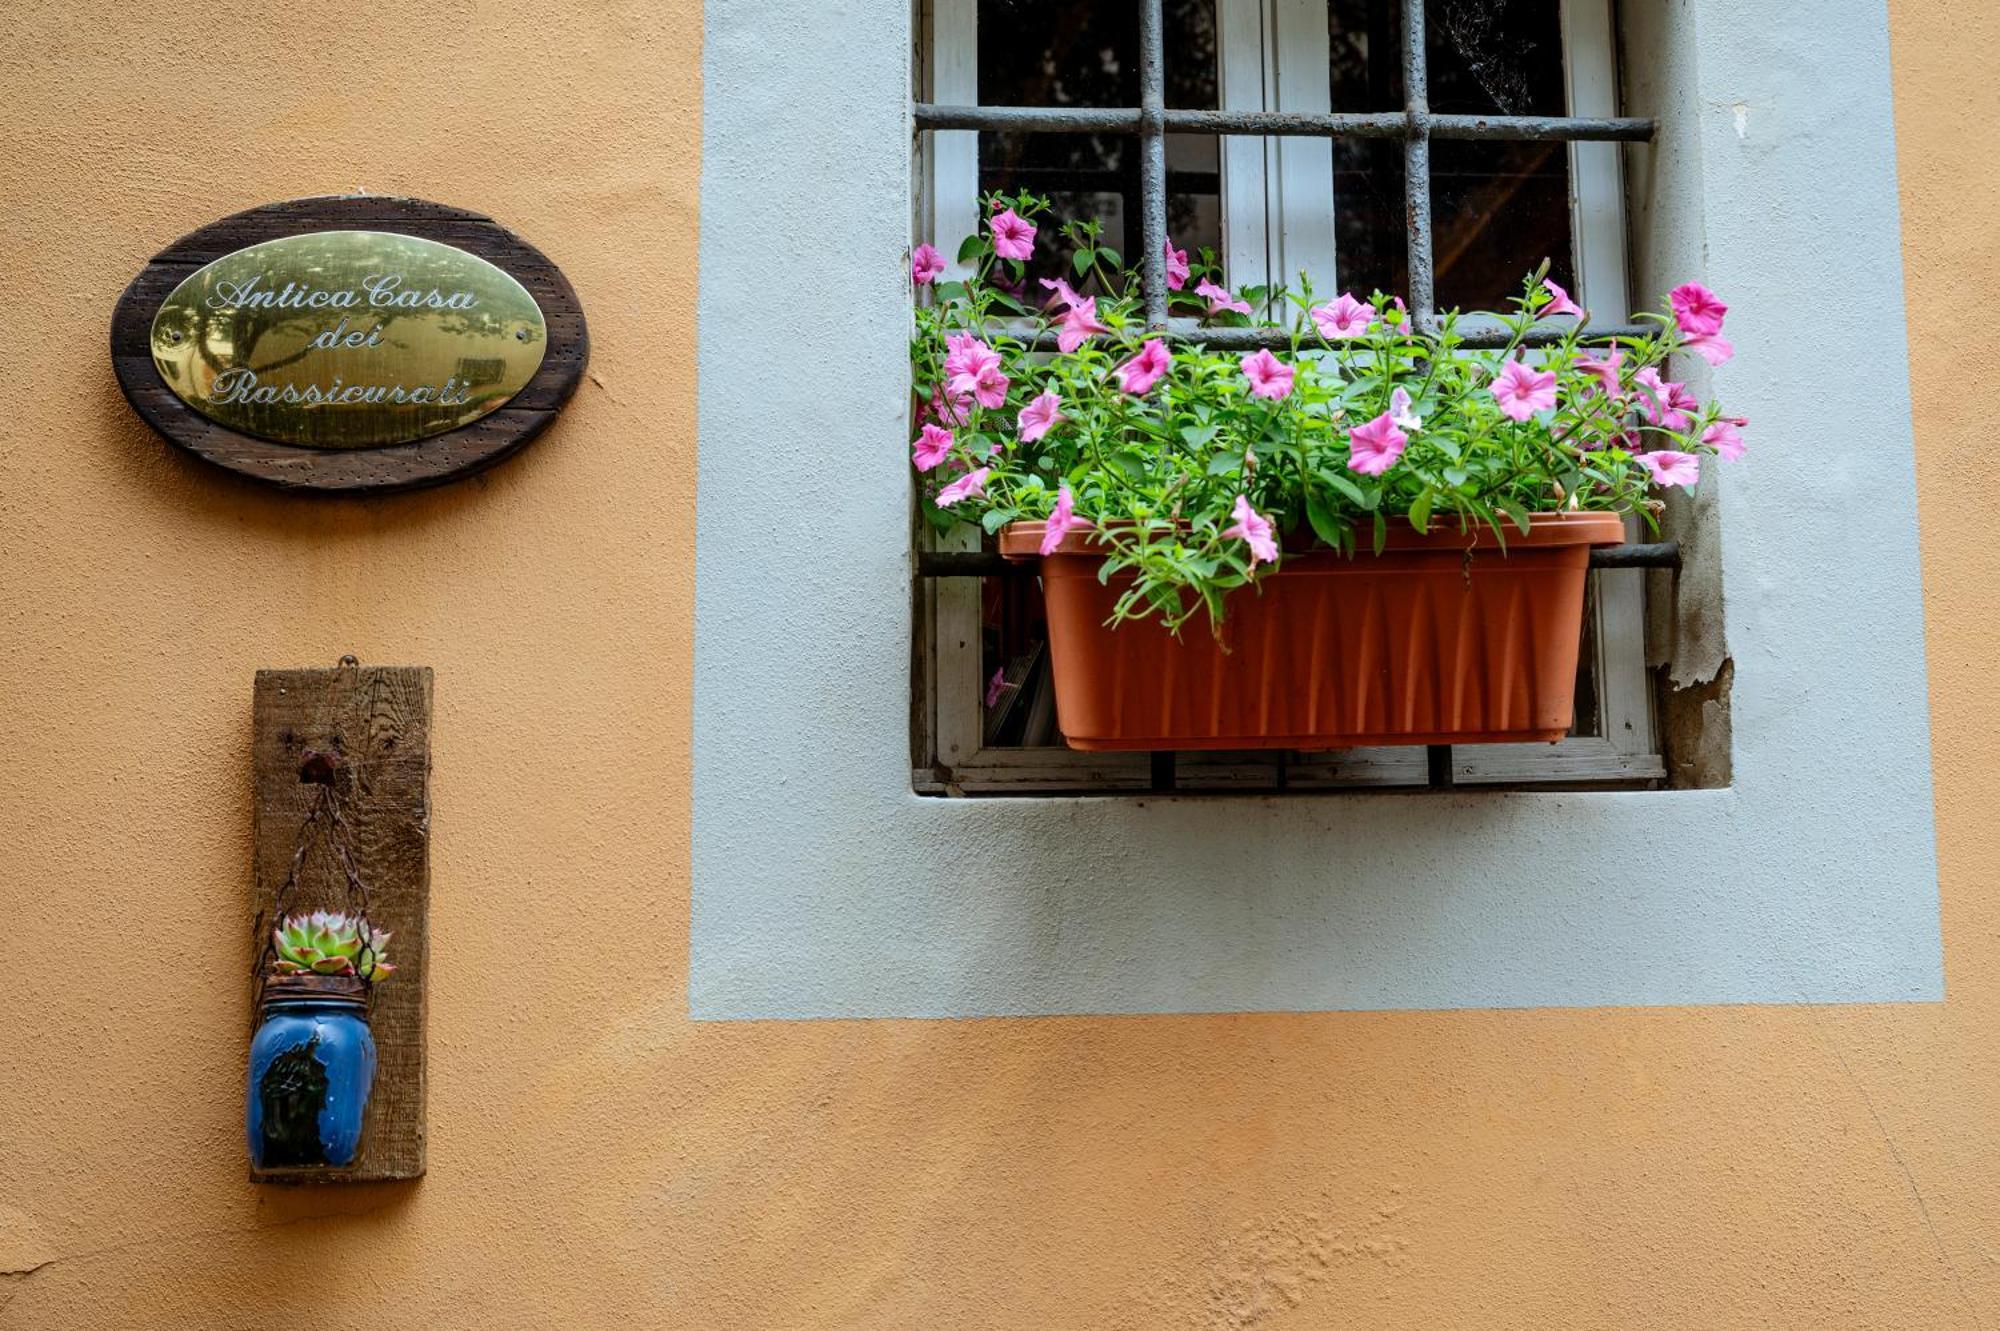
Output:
x,y
1152,123
1349,138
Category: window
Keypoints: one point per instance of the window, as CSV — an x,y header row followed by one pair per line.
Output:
x,y
1508,172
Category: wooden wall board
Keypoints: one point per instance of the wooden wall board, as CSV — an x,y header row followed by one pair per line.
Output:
x,y
377,721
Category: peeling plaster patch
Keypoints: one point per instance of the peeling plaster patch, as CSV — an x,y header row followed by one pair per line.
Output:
x,y
23,1247
1266,1267
373,1197
1694,723
1741,111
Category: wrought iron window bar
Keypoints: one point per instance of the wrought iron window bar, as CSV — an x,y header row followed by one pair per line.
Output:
x,y
1150,122
992,564
1416,125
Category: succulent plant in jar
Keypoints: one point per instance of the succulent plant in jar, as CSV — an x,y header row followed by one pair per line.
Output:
x,y
312,1061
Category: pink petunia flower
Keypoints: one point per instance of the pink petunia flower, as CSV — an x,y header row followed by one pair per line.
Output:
x,y
1667,467
1606,370
1255,530
1079,321
1373,448
1039,416
1013,235
972,485
1725,439
1268,376
1138,375
1342,318
997,686
1220,300
1177,267
1697,310
932,447
1559,303
986,384
1062,520
951,408
1711,347
1079,324
1681,406
1663,402
964,354
1652,389
1064,292
925,264
1521,392
1400,413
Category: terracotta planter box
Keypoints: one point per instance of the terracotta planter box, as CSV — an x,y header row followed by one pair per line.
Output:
x,y
1440,639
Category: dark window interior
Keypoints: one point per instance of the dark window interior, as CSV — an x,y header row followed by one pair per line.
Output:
x,y
1492,204
1061,53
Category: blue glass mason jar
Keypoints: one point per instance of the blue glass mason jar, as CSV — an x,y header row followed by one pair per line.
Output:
x,y
312,1064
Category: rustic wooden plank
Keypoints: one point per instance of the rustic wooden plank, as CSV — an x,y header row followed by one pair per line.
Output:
x,y
487,441
406,466
377,719
486,239
1577,759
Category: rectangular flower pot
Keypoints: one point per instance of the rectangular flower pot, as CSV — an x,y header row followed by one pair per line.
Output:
x,y
1443,638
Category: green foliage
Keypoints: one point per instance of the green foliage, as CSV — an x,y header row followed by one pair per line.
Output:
x,y
1158,473
324,943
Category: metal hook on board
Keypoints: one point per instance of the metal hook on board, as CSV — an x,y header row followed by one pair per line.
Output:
x,y
317,768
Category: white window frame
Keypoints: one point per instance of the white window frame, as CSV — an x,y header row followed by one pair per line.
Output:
x,y
1273,55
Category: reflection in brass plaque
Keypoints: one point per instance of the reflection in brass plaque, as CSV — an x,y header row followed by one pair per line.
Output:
x,y
348,339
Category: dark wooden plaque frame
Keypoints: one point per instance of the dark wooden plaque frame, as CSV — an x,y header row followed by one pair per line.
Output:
x,y
428,461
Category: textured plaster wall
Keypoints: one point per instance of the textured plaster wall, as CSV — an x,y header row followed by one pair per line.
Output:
x,y
140,591
598,1160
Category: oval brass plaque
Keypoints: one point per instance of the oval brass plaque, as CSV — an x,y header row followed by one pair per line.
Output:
x,y
348,339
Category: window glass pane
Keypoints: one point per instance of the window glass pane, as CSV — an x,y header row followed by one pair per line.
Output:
x,y
1019,695
1497,209
1062,53
1364,45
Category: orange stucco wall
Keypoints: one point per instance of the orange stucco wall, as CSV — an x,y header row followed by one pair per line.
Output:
x,y
597,1160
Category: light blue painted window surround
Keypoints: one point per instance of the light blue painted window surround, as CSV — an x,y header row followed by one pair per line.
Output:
x,y
822,887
